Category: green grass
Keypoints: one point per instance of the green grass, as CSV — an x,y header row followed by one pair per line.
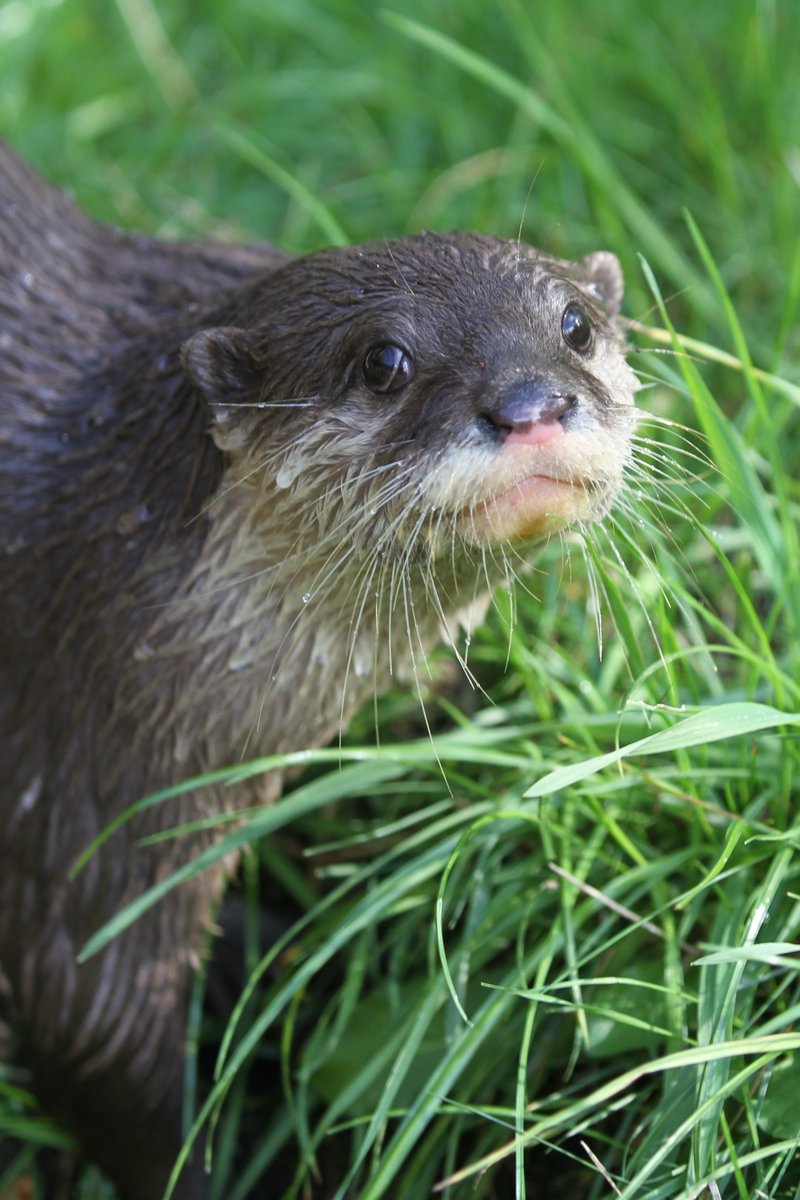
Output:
x,y
555,953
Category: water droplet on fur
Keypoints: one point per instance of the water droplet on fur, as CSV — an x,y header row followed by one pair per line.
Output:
x,y
31,794
306,597
287,474
28,279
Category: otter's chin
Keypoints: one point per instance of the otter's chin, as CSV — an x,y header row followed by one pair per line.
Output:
x,y
533,507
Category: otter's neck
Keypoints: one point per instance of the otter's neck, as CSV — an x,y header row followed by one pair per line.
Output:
x,y
271,621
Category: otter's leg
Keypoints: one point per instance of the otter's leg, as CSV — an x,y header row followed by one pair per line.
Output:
x,y
136,1148
105,1039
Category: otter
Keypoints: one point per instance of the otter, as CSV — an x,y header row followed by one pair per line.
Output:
x,y
239,492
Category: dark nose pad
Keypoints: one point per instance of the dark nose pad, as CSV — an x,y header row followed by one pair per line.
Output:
x,y
530,403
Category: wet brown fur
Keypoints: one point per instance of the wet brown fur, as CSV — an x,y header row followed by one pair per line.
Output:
x,y
210,532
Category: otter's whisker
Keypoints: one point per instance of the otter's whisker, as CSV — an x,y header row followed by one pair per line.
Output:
x,y
301,402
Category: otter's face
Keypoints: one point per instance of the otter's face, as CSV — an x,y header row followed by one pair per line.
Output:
x,y
452,387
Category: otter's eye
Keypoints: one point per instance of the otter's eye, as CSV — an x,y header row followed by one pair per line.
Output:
x,y
576,329
386,368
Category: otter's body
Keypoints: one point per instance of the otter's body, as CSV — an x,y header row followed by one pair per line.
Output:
x,y
236,491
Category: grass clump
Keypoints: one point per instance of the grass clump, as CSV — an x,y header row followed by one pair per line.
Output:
x,y
554,951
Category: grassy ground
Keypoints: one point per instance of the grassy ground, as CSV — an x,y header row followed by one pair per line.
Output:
x,y
567,972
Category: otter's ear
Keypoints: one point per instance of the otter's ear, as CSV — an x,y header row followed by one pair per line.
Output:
x,y
602,275
223,367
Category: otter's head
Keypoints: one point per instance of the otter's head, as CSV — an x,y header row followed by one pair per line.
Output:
x,y
448,391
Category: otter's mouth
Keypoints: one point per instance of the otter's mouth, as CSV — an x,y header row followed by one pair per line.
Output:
x,y
533,506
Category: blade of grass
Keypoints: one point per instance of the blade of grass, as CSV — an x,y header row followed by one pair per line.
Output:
x,y
710,725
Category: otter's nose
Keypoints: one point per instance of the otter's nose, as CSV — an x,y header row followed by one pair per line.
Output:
x,y
531,411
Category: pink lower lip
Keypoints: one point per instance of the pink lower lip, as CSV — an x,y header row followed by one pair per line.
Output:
x,y
530,508
520,492
533,479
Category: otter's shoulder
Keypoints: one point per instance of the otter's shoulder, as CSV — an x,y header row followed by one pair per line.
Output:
x,y
58,263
